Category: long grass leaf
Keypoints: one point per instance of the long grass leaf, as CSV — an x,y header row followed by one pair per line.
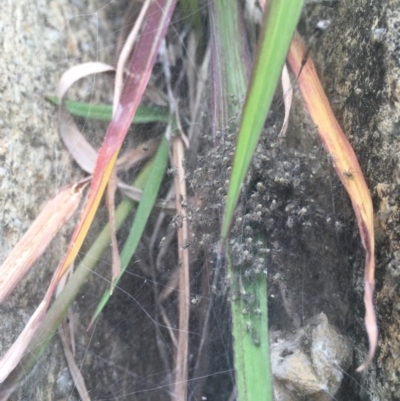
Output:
x,y
250,331
181,367
279,24
146,204
250,324
103,112
228,49
251,349
125,52
349,171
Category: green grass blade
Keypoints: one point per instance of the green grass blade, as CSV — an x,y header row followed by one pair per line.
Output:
x,y
59,308
191,10
228,48
146,205
250,332
278,27
103,112
249,322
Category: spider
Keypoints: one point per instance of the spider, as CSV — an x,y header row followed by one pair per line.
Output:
x,y
348,173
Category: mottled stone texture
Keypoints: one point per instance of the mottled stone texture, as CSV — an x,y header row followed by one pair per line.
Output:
x,y
39,40
358,62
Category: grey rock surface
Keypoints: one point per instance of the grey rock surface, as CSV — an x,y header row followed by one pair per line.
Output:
x,y
310,363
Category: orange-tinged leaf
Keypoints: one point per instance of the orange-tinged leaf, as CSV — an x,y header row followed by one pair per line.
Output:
x,y
85,155
348,170
101,176
39,235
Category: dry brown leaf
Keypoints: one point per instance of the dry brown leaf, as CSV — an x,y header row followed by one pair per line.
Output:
x,y
79,148
85,155
181,367
169,326
348,169
77,72
39,235
287,99
133,156
66,335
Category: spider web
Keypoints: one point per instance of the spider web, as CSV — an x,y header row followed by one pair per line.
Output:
x,y
128,354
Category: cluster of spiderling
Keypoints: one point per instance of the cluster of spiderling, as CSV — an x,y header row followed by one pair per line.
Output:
x,y
210,183
279,197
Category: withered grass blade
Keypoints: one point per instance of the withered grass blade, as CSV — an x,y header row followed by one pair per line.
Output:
x,y
287,99
125,52
110,201
181,368
348,169
64,300
65,332
80,71
56,212
85,155
79,148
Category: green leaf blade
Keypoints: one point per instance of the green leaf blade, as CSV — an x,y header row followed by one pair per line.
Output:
x,y
278,28
146,205
103,112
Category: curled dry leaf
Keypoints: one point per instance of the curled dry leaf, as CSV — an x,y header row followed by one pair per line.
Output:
x,y
56,212
348,170
287,99
85,155
66,335
79,148
77,72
